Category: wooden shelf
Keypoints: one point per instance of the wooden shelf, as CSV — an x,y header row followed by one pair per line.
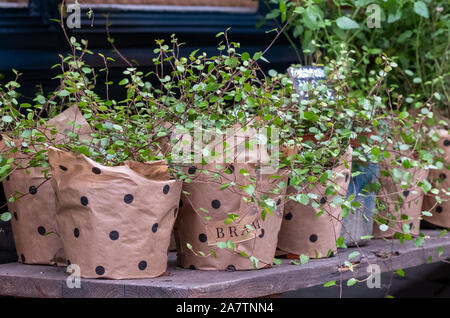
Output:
x,y
48,281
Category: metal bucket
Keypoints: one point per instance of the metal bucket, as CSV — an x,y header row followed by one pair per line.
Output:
x,y
359,224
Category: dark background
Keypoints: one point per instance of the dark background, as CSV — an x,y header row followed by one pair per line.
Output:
x,y
30,42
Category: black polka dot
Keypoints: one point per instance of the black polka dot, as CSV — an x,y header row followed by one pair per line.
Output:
x,y
155,227
114,235
231,268
439,209
442,176
96,170
41,230
76,232
175,212
230,168
32,190
279,202
22,257
128,198
142,265
15,216
192,170
215,204
323,200
288,216
166,189
203,238
346,177
446,142
262,234
313,238
62,168
68,262
406,193
99,270
84,201
192,267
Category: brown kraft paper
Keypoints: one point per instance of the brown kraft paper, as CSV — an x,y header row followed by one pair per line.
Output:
x,y
34,212
194,227
304,233
400,201
440,211
114,222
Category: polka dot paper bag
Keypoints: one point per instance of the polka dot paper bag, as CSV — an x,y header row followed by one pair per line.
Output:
x,y
34,211
302,232
115,222
34,218
202,224
441,180
400,202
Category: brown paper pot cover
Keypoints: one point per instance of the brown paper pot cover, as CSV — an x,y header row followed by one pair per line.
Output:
x,y
34,218
411,206
441,212
202,234
34,215
304,233
115,222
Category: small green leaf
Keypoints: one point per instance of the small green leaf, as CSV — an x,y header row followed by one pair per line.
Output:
x,y
230,244
277,261
5,217
330,283
304,259
304,199
421,9
440,250
400,272
418,242
221,245
353,255
243,254
352,281
346,23
7,119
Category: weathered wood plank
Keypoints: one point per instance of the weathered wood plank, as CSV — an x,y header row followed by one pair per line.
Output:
x,y
47,281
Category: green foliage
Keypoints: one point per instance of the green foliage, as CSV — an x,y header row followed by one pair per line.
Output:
x,y
413,33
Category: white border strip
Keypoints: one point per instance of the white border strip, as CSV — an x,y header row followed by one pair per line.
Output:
x,y
9,5
159,8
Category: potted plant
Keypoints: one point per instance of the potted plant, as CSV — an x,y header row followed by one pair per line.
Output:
x,y
322,28
25,136
101,183
406,161
230,212
436,204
